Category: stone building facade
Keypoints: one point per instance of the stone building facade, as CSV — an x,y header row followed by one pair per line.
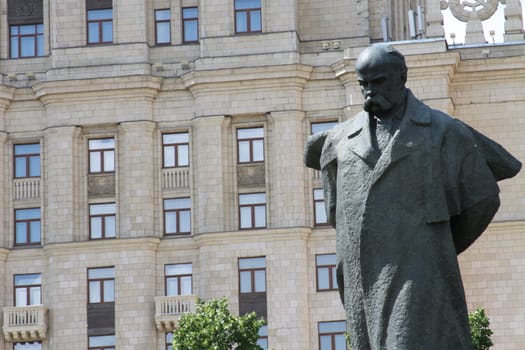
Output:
x,y
152,155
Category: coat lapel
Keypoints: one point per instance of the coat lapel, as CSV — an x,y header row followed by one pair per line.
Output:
x,y
360,141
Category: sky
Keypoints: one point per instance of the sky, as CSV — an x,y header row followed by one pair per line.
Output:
x,y
452,25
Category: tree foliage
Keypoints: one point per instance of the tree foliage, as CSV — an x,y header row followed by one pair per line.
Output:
x,y
479,330
213,327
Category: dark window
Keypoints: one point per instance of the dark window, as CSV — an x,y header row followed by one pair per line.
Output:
x,y
263,337
175,150
26,40
102,342
331,335
252,286
247,16
102,221
101,156
252,210
319,208
190,24
27,160
100,26
27,226
28,289
326,273
162,27
101,283
250,145
27,346
177,216
178,279
169,341
322,126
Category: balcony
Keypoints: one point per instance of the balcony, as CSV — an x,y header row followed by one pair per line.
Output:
x,y
168,310
25,323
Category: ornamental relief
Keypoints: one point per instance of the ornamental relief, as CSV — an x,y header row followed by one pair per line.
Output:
x,y
467,10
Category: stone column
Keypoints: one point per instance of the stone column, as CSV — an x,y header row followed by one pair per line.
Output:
x,y
286,200
434,19
211,158
136,194
513,21
4,206
61,183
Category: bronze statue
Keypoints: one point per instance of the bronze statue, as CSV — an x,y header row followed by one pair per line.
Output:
x,y
407,188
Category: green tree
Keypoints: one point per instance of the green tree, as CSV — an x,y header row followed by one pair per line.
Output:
x,y
213,327
479,330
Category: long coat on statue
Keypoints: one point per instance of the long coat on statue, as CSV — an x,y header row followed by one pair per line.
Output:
x,y
396,256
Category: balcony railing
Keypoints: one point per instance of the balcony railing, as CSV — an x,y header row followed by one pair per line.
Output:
x,y
26,188
168,310
175,178
25,323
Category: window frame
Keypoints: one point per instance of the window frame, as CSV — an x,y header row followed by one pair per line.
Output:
x,y
100,26
247,12
102,152
332,335
252,272
178,277
102,281
157,22
176,150
101,347
28,288
252,208
28,230
169,340
317,201
103,221
27,157
250,141
37,36
324,124
177,212
189,19
21,343
332,279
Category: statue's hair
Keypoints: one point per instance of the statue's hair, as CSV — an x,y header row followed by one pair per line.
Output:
x,y
385,54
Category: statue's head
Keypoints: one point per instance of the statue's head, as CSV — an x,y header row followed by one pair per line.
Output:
x,y
382,74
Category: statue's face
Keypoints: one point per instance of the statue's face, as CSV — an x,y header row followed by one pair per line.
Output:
x,y
381,85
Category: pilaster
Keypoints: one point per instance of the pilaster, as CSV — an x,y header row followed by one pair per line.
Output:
x,y
4,218
513,21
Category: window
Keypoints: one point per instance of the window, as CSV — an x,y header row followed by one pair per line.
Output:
x,y
247,16
177,217
175,150
26,40
252,275
250,145
322,126
162,27
99,26
102,342
169,341
263,337
102,221
101,156
27,226
190,24
252,210
101,283
178,279
331,335
319,208
27,160
326,273
28,346
28,290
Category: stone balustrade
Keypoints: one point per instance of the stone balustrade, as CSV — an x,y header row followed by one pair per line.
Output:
x,y
176,178
25,323
168,310
26,188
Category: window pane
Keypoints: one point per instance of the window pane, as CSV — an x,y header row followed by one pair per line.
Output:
x,y
27,346
190,12
162,15
320,213
170,221
323,278
95,165
21,232
99,209
177,203
172,287
183,155
163,33
27,29
96,227
326,342
169,156
20,167
26,214
246,4
40,28
14,47
326,259
34,235
252,263
28,280
104,272
340,342
14,30
100,14
185,221
34,166
246,282
93,35
260,281
255,20
334,277
246,218
260,216
244,151
241,22
94,292
110,226
35,297
27,45
109,291
21,297
191,31
107,32
27,149
178,269
185,285
258,150
109,160
332,327
102,144
180,137
250,133
318,127
252,198
318,194
40,45
104,340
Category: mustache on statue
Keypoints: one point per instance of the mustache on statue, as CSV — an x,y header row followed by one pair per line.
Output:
x,y
375,103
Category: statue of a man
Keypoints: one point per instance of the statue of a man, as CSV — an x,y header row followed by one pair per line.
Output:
x,y
407,188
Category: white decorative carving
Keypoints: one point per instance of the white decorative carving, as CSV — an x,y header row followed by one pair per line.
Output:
x,y
468,10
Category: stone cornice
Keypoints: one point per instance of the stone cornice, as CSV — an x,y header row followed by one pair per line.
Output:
x,y
248,236
100,246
